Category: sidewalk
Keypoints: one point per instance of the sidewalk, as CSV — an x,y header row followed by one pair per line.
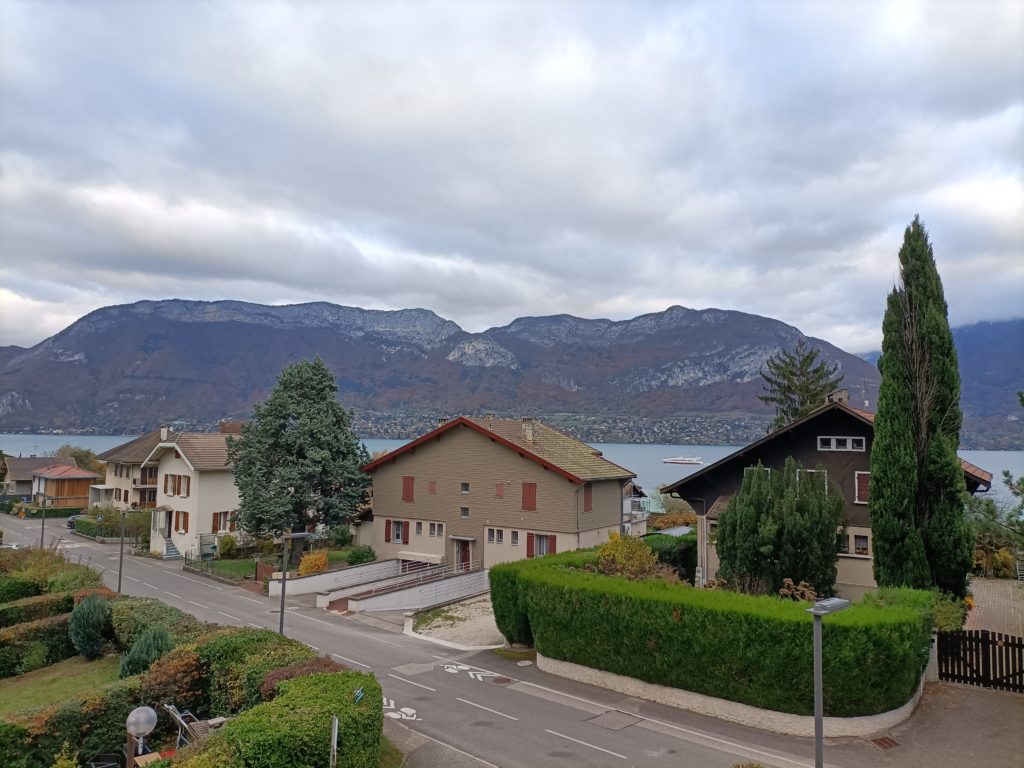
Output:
x,y
423,752
998,606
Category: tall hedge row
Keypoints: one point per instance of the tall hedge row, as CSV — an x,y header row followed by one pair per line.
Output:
x,y
41,606
754,650
34,644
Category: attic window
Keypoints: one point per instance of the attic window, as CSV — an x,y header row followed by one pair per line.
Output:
x,y
840,443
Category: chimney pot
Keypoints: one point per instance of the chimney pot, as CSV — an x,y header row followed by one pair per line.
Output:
x,y
163,433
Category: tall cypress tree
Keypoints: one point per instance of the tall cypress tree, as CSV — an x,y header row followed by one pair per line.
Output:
x,y
920,536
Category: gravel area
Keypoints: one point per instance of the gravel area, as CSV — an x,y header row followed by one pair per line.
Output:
x,y
470,622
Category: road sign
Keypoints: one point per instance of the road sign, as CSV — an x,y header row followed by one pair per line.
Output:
x,y
359,695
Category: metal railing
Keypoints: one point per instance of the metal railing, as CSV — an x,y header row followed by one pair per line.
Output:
x,y
430,573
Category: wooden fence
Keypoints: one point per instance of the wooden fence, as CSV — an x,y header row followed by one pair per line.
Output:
x,y
980,657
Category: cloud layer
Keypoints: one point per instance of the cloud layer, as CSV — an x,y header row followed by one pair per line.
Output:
x,y
490,160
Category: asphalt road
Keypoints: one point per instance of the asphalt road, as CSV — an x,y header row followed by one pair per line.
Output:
x,y
477,703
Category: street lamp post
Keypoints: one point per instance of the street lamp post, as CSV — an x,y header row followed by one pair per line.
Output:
x,y
120,561
140,723
284,572
819,609
42,528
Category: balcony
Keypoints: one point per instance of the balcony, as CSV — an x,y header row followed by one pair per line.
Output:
x,y
144,482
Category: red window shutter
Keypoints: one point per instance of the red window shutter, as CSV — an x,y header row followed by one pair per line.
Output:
x,y
588,497
499,491
387,530
188,485
529,545
408,488
405,533
186,521
432,486
215,527
529,497
165,485
863,484
551,545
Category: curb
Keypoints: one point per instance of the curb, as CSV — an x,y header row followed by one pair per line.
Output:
x,y
732,711
408,630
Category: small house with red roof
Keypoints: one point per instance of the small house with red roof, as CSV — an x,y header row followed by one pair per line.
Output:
x,y
835,439
62,485
475,492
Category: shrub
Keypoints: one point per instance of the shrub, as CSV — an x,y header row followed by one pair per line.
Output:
x,y
151,645
216,752
1002,564
801,593
340,535
88,626
320,664
678,552
14,587
74,577
361,554
132,616
66,758
176,678
314,562
293,730
227,547
950,612
628,557
754,650
36,607
34,644
671,520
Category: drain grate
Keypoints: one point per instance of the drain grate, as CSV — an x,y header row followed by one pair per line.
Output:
x,y
885,742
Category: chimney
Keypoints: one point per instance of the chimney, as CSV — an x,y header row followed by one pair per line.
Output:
x,y
528,429
164,430
441,420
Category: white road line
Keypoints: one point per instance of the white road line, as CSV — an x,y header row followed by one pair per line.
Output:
x,y
251,600
449,746
698,734
319,621
144,565
233,618
131,578
410,682
314,647
443,658
199,604
197,581
173,595
486,709
585,744
385,642
255,625
147,584
351,661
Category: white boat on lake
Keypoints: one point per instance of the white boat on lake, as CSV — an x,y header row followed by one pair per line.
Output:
x,y
684,460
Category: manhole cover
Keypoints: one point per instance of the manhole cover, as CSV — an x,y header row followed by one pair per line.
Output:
x,y
524,663
501,680
885,742
614,721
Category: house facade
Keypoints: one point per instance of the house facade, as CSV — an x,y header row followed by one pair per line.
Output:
x,y
18,479
62,486
127,484
196,498
835,439
476,492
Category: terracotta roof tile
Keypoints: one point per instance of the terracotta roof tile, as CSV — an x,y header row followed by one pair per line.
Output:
x,y
63,472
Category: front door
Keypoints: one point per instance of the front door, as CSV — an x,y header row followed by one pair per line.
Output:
x,y
464,555
167,524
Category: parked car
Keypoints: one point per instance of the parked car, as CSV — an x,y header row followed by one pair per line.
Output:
x,y
10,546
71,520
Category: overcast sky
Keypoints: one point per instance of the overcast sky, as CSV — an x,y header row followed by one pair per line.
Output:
x,y
489,160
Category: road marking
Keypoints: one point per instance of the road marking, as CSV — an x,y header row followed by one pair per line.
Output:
x,y
351,661
449,746
131,578
233,618
255,625
410,682
144,565
197,581
173,595
251,600
443,658
319,621
733,744
147,584
486,709
314,647
586,744
199,604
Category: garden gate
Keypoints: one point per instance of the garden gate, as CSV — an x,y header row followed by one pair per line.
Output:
x,y
980,657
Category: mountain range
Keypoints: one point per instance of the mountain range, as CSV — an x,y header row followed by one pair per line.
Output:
x,y
681,375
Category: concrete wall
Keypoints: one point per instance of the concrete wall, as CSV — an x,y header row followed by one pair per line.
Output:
x,y
324,599
426,595
322,582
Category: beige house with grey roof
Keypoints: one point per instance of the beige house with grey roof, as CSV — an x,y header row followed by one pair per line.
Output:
x,y
476,492
127,484
196,497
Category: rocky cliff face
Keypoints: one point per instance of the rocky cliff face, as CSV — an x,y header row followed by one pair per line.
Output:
x,y
128,368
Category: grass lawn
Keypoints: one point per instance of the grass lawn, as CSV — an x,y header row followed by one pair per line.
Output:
x,y
234,569
49,685
338,555
390,756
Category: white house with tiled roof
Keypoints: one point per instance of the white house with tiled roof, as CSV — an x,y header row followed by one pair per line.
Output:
x,y
129,485
195,492
476,492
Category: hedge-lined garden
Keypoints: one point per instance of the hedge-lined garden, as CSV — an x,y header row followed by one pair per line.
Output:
x,y
754,650
279,693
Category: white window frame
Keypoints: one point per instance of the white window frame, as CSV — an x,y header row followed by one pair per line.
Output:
x,y
433,529
500,532
463,487
540,545
440,530
419,528
464,512
490,535
867,547
515,538
828,443
397,531
856,488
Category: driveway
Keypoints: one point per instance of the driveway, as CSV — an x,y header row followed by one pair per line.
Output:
x,y
998,606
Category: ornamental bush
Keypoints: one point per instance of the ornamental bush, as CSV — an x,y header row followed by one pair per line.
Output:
x,y
227,547
34,644
14,587
293,730
678,552
131,616
314,562
754,650
36,607
88,626
361,554
320,664
151,645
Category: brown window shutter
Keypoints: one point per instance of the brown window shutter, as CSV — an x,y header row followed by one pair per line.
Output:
x,y
165,485
529,497
186,521
405,533
432,486
529,545
499,491
863,484
188,484
588,497
177,519
552,549
215,527
408,488
387,530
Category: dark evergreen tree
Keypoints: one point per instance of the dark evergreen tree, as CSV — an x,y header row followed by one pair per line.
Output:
x,y
150,646
916,487
298,462
797,382
88,626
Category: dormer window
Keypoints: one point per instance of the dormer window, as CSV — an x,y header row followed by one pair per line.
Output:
x,y
840,443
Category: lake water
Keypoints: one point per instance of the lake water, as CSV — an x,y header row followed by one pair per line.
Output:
x,y
645,460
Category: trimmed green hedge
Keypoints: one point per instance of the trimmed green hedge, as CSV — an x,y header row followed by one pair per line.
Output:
x,y
35,608
679,552
14,587
293,730
131,616
754,650
34,644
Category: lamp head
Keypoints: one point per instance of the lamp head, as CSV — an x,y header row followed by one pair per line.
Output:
x,y
829,605
141,721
